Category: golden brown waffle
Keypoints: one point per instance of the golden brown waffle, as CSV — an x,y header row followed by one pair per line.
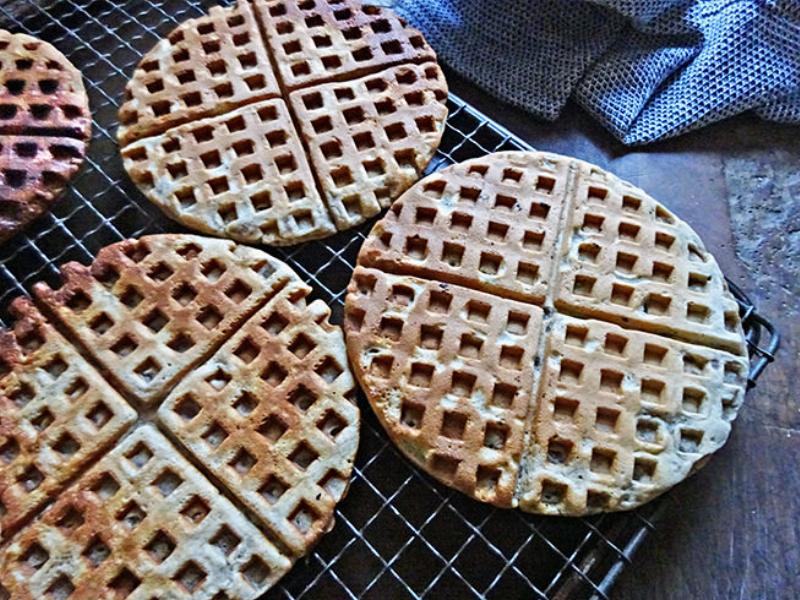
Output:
x,y
44,128
40,90
371,138
611,416
630,260
449,372
204,67
149,310
141,523
623,415
272,414
56,415
242,175
317,40
34,170
259,404
369,101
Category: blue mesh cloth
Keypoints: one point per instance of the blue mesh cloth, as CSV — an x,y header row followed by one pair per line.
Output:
x,y
647,69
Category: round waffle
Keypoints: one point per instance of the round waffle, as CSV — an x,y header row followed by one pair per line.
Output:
x,y
535,332
257,425
277,122
45,127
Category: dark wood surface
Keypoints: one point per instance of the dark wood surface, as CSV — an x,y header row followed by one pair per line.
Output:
x,y
732,530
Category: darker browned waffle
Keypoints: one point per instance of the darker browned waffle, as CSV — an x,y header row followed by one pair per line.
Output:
x,y
44,128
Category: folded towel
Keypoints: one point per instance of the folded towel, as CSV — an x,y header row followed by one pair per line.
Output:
x,y
647,69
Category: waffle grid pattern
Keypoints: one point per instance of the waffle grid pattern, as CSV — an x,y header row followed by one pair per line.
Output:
x,y
440,543
398,100
320,41
132,525
371,138
58,414
205,67
44,126
445,239
227,173
507,236
39,91
628,411
34,170
413,331
150,308
284,461
623,234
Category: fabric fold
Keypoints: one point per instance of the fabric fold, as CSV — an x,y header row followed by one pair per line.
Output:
x,y
646,69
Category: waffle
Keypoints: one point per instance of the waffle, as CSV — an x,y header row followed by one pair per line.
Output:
x,y
449,372
141,523
317,40
205,66
214,343
56,415
40,90
242,175
612,403
34,170
622,416
273,416
355,105
630,260
44,128
148,310
371,138
490,224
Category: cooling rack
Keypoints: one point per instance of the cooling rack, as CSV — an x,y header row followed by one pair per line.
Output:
x,y
399,534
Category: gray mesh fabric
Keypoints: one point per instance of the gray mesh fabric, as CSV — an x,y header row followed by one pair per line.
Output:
x,y
647,69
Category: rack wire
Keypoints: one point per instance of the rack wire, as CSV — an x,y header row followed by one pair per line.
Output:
x,y
399,534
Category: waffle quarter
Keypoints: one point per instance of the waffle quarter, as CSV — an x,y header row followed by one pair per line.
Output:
x,y
272,414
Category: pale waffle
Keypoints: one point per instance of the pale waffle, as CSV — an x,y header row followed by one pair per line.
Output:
x,y
358,112
45,126
204,67
319,40
250,384
149,309
56,415
491,224
370,139
620,402
623,415
272,414
241,175
142,523
631,261
449,371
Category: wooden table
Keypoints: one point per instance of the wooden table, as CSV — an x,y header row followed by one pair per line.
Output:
x,y
732,530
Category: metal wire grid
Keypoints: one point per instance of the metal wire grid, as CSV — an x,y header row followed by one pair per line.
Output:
x,y
399,534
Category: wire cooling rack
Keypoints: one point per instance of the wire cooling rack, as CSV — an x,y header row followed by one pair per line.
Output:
x,y
399,534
